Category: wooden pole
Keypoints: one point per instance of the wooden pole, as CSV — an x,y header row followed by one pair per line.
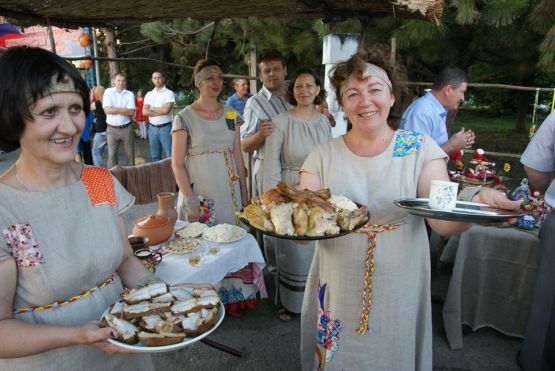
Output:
x,y
51,37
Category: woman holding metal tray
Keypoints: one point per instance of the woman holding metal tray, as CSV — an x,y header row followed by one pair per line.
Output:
x,y
296,133
367,298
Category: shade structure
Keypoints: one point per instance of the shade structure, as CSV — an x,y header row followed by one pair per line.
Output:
x,y
71,13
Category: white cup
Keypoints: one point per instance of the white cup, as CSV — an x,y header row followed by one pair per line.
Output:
x,y
443,195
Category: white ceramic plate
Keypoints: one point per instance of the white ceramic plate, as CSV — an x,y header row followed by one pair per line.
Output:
x,y
467,212
241,231
168,246
192,230
140,347
180,224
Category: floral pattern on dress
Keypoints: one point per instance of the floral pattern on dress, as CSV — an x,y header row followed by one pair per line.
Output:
x,y
25,247
407,143
327,336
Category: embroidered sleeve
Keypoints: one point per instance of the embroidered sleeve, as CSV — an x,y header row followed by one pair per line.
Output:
x,y
407,143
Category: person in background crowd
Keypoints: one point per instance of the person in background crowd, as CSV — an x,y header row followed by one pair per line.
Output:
x,y
538,348
140,118
84,148
241,95
64,253
158,106
119,105
367,298
296,133
323,108
261,108
428,114
99,147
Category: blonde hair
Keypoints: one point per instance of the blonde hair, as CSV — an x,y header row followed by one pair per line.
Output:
x,y
98,92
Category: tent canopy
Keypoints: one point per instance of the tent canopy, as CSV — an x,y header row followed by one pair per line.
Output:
x,y
72,13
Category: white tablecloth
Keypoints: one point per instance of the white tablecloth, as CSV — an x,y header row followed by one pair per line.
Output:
x,y
492,282
175,268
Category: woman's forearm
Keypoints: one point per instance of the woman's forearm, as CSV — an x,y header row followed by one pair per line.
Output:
x,y
20,339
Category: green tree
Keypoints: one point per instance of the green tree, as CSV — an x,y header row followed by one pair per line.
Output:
x,y
498,41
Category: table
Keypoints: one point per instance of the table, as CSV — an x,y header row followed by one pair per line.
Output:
x,y
175,268
493,278
232,257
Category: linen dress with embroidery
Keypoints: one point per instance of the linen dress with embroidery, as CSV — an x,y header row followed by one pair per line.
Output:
x,y
206,164
208,173
64,243
285,151
400,328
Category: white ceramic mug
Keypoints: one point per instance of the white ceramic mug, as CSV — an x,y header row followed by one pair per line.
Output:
x,y
443,195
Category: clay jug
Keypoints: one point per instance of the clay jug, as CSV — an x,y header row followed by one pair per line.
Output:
x,y
166,206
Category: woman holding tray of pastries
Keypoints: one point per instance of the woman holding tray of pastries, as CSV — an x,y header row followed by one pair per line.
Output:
x,y
64,254
207,161
296,133
367,299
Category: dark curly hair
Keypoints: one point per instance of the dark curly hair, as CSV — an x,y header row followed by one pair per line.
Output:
x,y
27,72
356,65
289,95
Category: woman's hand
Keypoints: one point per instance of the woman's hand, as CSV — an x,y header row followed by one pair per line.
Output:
x,y
97,337
193,214
492,197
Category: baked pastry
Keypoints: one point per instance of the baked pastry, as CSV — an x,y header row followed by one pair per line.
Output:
x,y
258,218
321,223
281,219
300,219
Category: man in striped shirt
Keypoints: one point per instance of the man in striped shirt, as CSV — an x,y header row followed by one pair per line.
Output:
x,y
261,107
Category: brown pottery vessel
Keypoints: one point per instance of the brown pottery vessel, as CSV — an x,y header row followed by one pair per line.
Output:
x,y
166,206
156,227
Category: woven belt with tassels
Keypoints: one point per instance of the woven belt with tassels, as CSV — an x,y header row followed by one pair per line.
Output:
x,y
372,230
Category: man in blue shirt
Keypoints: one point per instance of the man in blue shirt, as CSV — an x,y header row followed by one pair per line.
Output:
x,y
428,113
239,98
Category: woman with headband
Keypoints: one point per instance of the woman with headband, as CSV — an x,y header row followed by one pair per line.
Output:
x,y
367,298
206,153
207,161
64,253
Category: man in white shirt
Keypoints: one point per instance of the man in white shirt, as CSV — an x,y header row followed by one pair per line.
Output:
x,y
119,106
158,107
261,107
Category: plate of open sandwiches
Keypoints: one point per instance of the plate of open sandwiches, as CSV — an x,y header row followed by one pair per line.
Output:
x,y
161,318
180,245
289,213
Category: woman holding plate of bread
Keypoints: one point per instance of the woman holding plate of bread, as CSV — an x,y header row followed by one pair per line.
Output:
x,y
64,253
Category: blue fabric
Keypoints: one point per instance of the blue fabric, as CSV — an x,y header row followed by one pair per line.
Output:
x,y
406,143
426,115
86,134
237,103
99,149
159,139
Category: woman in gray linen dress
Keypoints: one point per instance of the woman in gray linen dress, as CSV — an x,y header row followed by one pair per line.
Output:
x,y
64,255
206,151
296,133
367,300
